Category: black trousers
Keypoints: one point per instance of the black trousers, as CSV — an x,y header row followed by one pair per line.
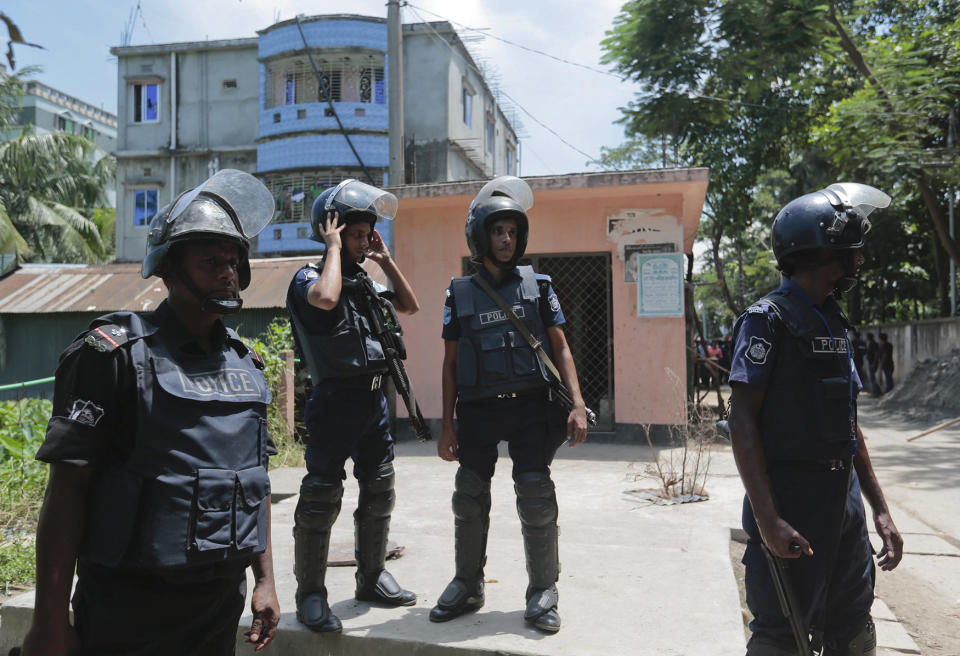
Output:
x,y
533,427
152,615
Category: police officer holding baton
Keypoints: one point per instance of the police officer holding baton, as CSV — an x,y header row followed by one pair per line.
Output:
x,y
800,453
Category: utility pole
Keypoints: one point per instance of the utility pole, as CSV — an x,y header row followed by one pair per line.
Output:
x,y
953,265
395,91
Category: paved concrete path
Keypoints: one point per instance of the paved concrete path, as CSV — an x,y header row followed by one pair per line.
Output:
x,y
636,578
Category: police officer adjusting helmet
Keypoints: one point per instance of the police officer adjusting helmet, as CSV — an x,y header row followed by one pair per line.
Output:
x,y
354,202
506,197
834,218
230,205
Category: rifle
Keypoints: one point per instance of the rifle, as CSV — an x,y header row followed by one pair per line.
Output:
x,y
386,328
558,390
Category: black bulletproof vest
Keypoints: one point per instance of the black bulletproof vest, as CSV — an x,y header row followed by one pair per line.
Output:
x,y
349,349
193,490
492,357
809,409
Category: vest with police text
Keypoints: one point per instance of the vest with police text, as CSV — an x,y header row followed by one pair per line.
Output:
x,y
492,357
194,488
809,407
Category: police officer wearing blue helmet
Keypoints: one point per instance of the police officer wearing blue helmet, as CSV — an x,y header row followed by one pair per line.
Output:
x,y
158,490
346,416
500,390
801,456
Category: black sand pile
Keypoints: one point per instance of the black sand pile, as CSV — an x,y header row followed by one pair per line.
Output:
x,y
931,390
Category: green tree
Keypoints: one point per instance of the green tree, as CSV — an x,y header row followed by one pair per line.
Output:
x,y
52,191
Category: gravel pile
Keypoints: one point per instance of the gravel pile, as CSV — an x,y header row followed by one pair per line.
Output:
x,y
931,391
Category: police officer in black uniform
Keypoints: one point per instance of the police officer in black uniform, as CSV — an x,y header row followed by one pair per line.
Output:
x,y
500,389
795,437
158,447
346,416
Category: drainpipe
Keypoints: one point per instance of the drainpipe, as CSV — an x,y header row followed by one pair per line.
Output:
x,y
173,125
395,91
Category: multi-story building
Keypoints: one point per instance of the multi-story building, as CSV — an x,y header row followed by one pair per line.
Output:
x,y
48,110
261,105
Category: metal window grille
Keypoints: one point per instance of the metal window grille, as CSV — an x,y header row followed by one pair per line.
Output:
x,y
346,78
582,282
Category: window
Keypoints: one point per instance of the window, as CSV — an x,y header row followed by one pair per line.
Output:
x,y
89,133
491,130
144,206
230,84
511,161
467,107
343,78
301,232
65,124
146,108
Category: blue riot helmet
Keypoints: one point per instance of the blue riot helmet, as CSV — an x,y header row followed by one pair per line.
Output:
x,y
834,218
230,205
505,197
353,201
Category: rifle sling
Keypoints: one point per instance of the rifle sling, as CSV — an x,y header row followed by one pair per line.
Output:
x,y
521,327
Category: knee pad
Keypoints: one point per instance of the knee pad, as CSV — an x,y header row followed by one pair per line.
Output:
x,y
319,503
861,643
377,497
471,496
536,498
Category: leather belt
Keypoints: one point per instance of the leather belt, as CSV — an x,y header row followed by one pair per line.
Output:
x,y
370,383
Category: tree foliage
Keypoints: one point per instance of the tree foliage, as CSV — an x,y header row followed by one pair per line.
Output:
x,y
781,97
52,193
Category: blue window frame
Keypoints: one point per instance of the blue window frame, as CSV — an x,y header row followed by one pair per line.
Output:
x,y
144,206
146,103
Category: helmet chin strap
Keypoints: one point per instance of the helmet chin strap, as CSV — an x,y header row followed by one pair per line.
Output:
x,y
208,302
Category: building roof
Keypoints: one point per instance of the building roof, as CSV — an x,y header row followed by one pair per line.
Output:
x,y
51,288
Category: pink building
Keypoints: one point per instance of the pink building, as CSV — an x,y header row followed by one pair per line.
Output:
x,y
613,243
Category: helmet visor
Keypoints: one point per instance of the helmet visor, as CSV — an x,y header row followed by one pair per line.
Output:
x,y
506,185
248,202
861,197
366,198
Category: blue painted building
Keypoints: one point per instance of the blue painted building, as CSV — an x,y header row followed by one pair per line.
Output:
x,y
256,104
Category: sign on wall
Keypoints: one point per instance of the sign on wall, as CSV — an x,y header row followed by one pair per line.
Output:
x,y
660,285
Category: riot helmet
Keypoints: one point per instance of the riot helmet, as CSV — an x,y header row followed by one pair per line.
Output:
x,y
834,218
230,205
354,201
505,197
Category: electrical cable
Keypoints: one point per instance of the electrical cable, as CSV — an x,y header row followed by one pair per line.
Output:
x,y
333,110
506,95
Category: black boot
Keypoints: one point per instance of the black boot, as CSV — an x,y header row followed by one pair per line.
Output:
x,y
471,511
316,512
537,508
372,525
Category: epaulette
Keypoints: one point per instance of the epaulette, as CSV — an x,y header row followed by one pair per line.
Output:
x,y
107,337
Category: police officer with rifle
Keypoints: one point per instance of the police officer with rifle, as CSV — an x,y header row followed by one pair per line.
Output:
x,y
347,331
801,456
500,327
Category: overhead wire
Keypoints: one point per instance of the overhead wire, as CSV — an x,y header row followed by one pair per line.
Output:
x,y
505,94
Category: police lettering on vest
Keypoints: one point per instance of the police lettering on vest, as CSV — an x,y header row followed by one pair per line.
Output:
x,y
492,357
809,408
194,487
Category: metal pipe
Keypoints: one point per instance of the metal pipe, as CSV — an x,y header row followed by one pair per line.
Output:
x,y
395,91
173,125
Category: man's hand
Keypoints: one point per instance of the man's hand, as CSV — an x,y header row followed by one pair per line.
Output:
x,y
447,444
892,551
51,641
378,250
331,231
577,425
779,535
266,615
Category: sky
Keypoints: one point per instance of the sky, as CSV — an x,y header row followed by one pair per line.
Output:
x,y
580,105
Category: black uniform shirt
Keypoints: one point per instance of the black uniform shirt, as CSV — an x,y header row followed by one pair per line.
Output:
x,y
95,396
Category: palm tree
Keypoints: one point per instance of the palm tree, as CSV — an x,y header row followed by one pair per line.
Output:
x,y
52,190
